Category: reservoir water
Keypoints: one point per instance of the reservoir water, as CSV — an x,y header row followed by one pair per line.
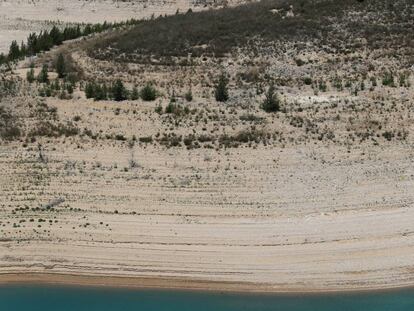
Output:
x,y
48,298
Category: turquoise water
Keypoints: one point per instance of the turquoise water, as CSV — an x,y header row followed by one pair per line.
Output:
x,y
40,298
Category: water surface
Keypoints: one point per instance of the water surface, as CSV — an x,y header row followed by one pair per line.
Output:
x,y
47,298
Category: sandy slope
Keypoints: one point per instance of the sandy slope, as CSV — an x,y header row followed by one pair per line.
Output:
x,y
266,218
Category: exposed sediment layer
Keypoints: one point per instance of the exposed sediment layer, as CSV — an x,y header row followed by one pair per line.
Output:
x,y
286,222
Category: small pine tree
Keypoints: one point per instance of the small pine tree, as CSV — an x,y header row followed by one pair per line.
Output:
x,y
69,88
30,75
14,51
3,59
43,76
61,66
221,92
100,92
148,93
56,85
135,93
56,36
271,102
118,91
90,90
23,49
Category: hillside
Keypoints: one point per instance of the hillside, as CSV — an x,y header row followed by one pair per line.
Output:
x,y
341,27
263,147
19,18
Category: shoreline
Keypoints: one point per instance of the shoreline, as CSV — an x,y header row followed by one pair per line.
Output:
x,y
176,284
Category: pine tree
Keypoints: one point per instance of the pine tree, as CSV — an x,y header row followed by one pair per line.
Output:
x,y
32,44
221,92
69,88
56,36
23,49
271,102
87,30
118,91
14,51
101,92
148,93
61,66
30,76
3,59
43,76
90,90
134,93
56,85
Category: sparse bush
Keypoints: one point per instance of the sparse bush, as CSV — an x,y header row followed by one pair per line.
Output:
x,y
251,118
171,108
189,96
322,86
170,140
148,93
146,139
388,79
388,135
43,76
373,81
30,75
307,80
271,102
158,109
221,93
9,128
49,129
120,137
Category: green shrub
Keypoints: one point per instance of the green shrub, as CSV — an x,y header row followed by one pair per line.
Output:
x,y
158,109
221,93
146,139
60,66
119,92
100,92
30,75
43,76
388,79
148,93
90,90
135,93
307,80
271,102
